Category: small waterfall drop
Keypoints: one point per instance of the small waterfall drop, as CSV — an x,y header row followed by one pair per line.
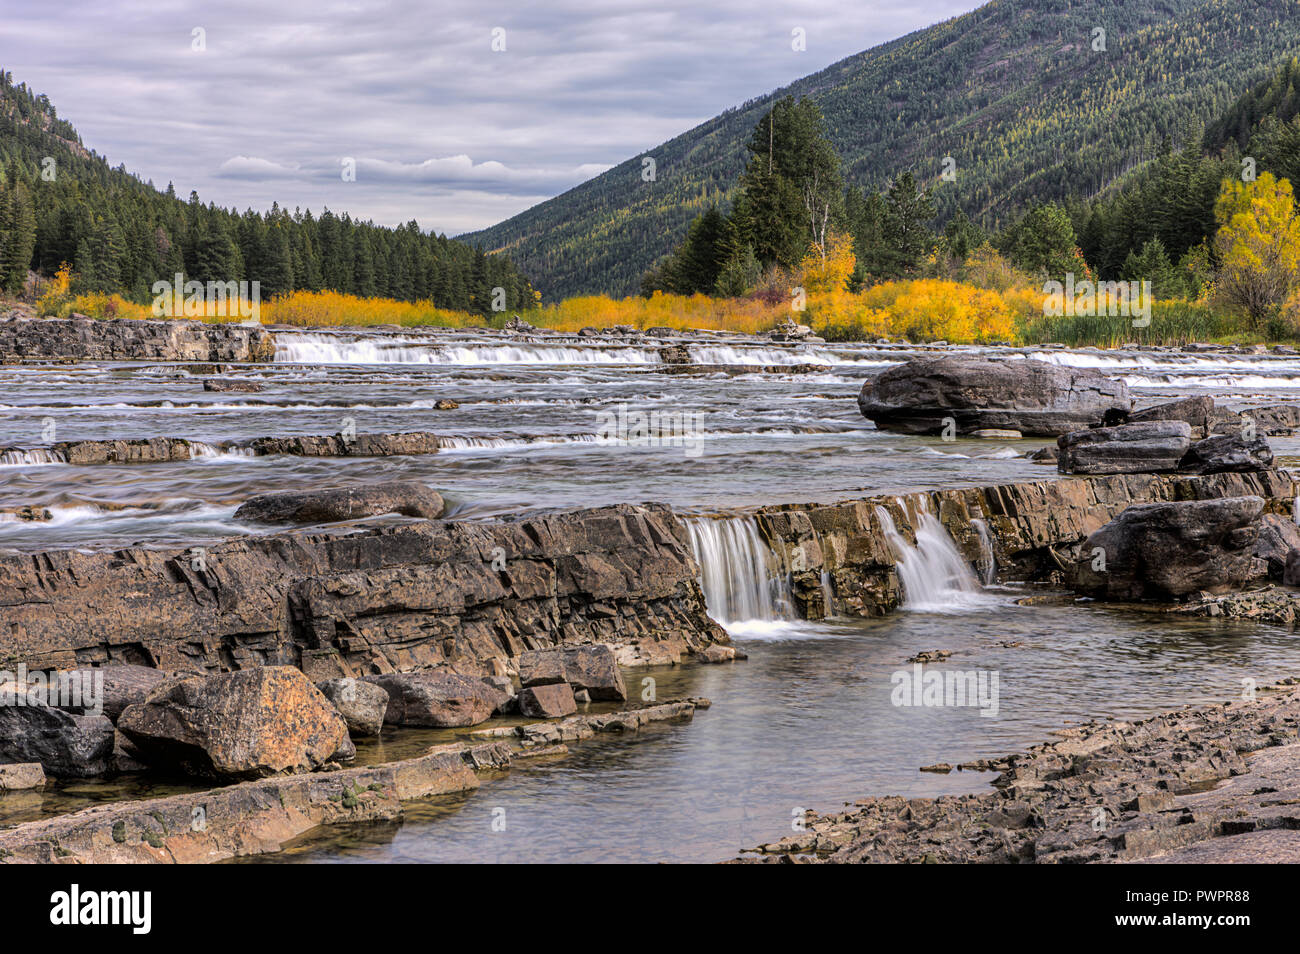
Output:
x,y
40,457
934,575
743,581
988,563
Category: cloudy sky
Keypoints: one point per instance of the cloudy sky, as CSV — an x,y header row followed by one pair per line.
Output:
x,y
441,127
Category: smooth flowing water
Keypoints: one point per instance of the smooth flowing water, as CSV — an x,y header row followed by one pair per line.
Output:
x,y
810,720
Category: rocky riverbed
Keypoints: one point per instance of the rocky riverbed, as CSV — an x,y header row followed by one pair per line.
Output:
x,y
265,556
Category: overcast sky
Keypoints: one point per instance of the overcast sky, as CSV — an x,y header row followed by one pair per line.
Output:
x,y
442,128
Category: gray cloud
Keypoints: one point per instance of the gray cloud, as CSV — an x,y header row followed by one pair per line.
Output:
x,y
443,129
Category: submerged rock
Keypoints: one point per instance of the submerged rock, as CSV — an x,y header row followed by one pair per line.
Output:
x,y
246,724
231,385
438,699
407,498
924,395
1151,447
1168,550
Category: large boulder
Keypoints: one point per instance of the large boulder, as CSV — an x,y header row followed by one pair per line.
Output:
x,y
362,704
1198,412
438,699
246,724
593,668
1171,549
67,744
350,503
1153,447
110,689
1279,537
1033,397
1228,454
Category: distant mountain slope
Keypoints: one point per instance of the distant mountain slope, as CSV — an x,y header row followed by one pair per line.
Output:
x,y
1013,91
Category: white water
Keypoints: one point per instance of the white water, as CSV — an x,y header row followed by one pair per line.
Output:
x,y
935,577
988,564
746,588
30,458
331,349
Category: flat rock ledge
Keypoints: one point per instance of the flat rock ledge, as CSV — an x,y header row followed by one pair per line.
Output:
x,y
162,450
259,817
129,339
1216,784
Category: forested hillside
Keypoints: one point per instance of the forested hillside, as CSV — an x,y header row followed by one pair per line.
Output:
x,y
62,203
1026,97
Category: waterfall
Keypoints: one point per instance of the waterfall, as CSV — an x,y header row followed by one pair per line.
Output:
x,y
743,581
40,457
934,575
988,563
292,348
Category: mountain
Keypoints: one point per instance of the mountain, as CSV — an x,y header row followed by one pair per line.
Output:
x,y
1014,92
61,202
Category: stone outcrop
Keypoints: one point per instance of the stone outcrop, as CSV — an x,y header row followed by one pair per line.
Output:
x,y
407,498
247,724
362,704
433,699
21,776
348,445
231,386
1033,397
124,339
1279,537
462,595
1144,448
1217,784
1168,550
1036,529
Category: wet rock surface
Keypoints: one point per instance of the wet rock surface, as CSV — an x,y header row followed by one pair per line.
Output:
x,y
1033,397
361,704
1220,783
350,503
66,744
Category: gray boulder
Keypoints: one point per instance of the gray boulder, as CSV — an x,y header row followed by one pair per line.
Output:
x,y
1279,537
1197,412
1151,447
1033,397
362,704
438,699
328,506
1228,454
66,744
1168,550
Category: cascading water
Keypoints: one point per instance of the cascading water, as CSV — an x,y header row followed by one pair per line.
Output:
x,y
743,581
988,564
39,457
334,349
934,575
